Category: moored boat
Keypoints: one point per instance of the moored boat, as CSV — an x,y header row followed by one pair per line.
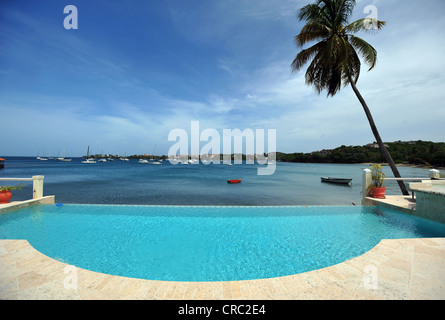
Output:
x,y
63,158
336,180
232,181
89,160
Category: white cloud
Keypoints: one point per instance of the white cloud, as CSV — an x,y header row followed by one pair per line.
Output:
x,y
251,48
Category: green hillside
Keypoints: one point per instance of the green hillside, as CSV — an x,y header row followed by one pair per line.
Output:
x,y
406,152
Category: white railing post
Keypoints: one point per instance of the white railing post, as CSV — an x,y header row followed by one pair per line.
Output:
x,y
434,174
37,188
366,182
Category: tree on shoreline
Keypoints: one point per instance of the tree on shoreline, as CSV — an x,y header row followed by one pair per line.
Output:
x,y
334,59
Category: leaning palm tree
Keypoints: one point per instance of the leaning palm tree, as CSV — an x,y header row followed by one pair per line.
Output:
x,y
334,58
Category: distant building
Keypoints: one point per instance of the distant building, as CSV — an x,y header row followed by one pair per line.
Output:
x,y
324,152
374,145
406,142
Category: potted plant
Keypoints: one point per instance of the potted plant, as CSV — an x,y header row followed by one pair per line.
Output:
x,y
5,192
378,191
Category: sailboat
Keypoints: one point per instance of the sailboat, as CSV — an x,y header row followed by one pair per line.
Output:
x,y
42,158
152,160
102,159
63,158
89,160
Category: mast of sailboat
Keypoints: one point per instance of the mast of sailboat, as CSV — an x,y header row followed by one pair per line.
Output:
x,y
153,154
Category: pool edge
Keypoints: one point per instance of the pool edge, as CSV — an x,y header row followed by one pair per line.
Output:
x,y
393,269
15,205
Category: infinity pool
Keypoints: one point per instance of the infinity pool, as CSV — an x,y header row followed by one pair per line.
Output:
x,y
187,243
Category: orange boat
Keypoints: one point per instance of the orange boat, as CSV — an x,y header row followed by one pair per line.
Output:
x,y
234,181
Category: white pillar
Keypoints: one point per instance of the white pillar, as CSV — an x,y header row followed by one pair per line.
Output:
x,y
366,183
37,188
434,174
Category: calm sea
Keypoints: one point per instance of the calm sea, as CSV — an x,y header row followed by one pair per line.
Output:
x,y
131,182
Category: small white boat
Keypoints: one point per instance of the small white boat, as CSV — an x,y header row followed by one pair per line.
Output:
x,y
143,161
102,160
42,158
63,158
89,160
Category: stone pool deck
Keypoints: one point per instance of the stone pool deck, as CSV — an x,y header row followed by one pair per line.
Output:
x,y
395,269
404,203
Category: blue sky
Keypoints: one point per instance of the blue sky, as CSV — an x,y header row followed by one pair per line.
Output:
x,y
135,70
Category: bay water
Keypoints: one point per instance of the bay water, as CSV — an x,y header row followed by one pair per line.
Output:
x,y
122,182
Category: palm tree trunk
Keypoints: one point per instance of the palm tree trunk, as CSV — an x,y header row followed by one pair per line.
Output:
x,y
382,147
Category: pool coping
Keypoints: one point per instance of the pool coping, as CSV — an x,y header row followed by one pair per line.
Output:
x,y
394,269
14,205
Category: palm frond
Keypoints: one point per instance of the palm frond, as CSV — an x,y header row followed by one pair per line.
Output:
x,y
310,32
345,10
334,82
339,11
349,64
334,50
365,24
315,74
323,72
335,60
305,55
367,51
353,67
312,12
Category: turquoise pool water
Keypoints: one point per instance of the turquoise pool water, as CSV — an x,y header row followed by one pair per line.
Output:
x,y
197,243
